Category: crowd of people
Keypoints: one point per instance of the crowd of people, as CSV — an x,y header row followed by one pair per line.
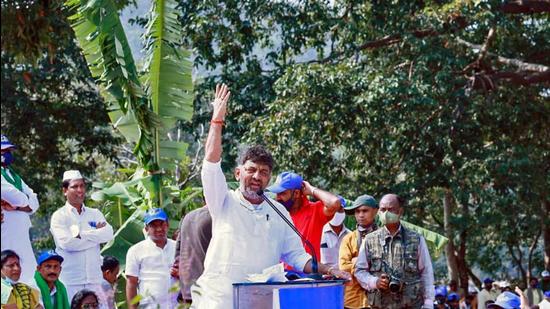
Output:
x,y
237,233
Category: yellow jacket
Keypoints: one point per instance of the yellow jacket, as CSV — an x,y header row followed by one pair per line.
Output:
x,y
354,295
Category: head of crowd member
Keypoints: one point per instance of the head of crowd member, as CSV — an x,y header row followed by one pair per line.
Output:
x,y
7,155
440,296
110,269
337,221
533,282
156,225
288,187
49,266
391,209
85,299
453,300
11,266
253,172
488,284
505,286
364,208
472,295
74,188
453,286
547,295
545,276
506,300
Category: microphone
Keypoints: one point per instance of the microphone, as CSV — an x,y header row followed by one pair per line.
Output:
x,y
314,264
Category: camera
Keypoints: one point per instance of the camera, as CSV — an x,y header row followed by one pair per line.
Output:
x,y
395,285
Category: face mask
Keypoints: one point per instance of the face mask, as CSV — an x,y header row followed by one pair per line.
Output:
x,y
288,204
9,281
388,217
7,158
338,219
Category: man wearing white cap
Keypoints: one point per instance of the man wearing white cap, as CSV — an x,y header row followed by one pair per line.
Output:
x,y
77,231
18,203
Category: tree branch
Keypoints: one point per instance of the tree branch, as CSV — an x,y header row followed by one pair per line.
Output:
x,y
524,66
525,6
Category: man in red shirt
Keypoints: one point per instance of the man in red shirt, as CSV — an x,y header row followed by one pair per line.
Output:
x,y
308,217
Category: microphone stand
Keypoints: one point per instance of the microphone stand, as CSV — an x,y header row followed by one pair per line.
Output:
x,y
314,264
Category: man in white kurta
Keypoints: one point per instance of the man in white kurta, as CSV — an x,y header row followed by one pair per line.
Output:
x,y
78,231
18,203
247,235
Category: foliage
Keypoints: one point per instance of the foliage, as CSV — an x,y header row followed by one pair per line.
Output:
x,y
409,97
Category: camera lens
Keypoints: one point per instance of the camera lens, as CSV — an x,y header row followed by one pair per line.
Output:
x,y
394,287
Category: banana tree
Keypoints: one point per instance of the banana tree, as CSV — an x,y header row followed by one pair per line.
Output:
x,y
144,104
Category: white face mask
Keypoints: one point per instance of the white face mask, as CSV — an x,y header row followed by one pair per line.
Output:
x,y
338,218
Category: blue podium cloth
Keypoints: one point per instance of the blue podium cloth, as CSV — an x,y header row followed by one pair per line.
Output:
x,y
327,297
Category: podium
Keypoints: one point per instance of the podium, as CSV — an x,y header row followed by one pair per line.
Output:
x,y
318,294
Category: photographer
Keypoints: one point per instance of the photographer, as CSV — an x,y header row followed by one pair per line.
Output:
x,y
394,264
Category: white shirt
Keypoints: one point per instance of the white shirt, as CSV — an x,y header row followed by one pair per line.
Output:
x,y
151,265
15,229
82,260
368,281
246,239
330,244
484,295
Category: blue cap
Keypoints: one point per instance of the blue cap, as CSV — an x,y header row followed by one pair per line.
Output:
x,y
343,201
6,143
547,293
453,297
155,214
441,291
49,255
488,281
506,300
286,181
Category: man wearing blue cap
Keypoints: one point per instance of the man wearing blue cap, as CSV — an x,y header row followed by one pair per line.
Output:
x,y
308,217
333,234
487,293
148,265
18,203
53,293
247,234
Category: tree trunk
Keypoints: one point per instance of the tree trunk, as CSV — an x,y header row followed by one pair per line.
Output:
x,y
452,263
545,205
532,249
461,256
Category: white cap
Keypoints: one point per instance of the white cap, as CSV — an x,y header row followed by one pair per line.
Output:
x,y
71,175
545,273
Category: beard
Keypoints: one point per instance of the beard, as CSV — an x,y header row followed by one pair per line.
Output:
x,y
250,194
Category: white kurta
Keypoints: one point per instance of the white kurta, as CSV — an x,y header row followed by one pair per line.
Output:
x,y
15,229
82,260
246,239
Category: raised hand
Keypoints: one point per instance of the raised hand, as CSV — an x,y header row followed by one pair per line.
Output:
x,y
220,102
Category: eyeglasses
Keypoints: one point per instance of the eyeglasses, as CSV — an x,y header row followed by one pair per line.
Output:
x,y
90,306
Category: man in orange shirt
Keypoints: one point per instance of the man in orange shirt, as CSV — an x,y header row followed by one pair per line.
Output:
x,y
308,217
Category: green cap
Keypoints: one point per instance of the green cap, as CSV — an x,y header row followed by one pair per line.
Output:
x,y
363,200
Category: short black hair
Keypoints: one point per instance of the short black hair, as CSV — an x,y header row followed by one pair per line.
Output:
x,y
256,154
66,183
76,303
109,263
6,254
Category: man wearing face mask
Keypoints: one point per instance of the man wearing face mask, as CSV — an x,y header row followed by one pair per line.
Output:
x,y
333,234
18,203
308,217
364,208
394,264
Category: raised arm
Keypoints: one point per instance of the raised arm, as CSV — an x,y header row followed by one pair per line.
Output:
x,y
331,201
213,147
213,181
